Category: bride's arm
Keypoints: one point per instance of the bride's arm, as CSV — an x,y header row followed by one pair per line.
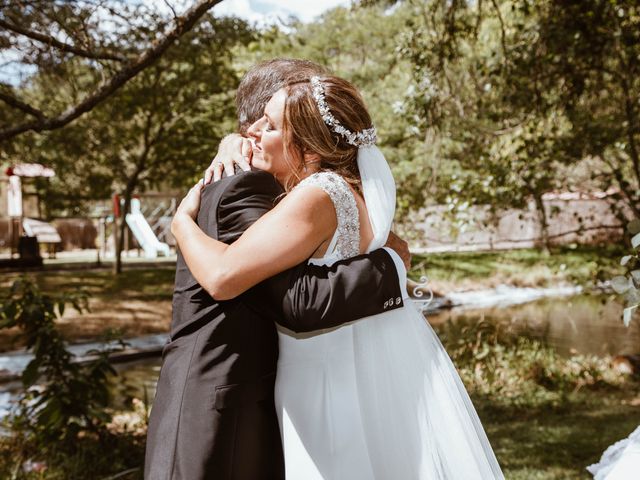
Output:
x,y
282,238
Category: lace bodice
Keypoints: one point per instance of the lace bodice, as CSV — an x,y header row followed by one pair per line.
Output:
x,y
346,240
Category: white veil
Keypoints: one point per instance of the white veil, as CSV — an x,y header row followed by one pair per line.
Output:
x,y
379,190
418,419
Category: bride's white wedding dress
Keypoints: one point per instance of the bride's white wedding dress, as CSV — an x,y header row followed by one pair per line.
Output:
x,y
621,461
378,398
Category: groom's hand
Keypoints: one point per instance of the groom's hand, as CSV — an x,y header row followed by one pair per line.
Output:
x,y
401,248
234,150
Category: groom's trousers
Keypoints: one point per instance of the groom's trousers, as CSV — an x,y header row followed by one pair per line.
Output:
x,y
214,430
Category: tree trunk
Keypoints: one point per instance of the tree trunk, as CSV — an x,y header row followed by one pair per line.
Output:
x,y
544,222
618,212
117,266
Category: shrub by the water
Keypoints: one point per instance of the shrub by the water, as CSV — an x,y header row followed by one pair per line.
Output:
x,y
494,361
61,424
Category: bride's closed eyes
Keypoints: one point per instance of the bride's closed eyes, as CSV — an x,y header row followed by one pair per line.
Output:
x,y
267,134
270,124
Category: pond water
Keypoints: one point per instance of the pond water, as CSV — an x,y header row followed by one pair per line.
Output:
x,y
585,324
135,380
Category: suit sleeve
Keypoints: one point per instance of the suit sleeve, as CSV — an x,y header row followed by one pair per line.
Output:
x,y
244,199
315,297
307,297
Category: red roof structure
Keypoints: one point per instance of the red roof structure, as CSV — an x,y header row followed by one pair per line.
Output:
x,y
30,170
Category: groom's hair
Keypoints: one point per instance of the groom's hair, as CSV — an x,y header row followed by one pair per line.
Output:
x,y
263,80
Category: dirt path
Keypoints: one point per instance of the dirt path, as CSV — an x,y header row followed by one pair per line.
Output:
x,y
131,317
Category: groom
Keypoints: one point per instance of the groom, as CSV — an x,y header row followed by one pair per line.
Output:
x,y
213,416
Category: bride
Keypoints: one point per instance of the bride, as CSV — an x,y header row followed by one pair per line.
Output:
x,y
377,398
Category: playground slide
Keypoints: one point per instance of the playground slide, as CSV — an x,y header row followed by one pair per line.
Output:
x,y
144,234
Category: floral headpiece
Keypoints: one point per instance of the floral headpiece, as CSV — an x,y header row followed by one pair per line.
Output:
x,y
364,138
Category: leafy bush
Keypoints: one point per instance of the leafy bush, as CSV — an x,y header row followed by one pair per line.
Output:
x,y
63,413
496,362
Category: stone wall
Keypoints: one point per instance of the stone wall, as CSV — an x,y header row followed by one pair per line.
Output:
x,y
430,231
572,218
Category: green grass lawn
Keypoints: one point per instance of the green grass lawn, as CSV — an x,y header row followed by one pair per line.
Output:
x,y
583,265
137,302
154,283
580,265
548,417
558,443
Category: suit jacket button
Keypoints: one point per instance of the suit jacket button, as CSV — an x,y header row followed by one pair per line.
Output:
x,y
386,304
398,301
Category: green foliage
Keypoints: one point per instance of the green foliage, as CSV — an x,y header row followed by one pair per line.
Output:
x,y
527,97
513,370
481,102
628,284
491,103
547,416
159,131
63,398
92,458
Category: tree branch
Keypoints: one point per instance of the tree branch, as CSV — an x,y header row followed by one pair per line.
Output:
x,y
182,25
65,47
476,27
503,35
20,105
175,15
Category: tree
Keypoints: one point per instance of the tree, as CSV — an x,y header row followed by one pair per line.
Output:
x,y
77,38
588,54
161,129
523,96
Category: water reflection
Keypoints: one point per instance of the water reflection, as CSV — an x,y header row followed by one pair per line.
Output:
x,y
586,324
135,380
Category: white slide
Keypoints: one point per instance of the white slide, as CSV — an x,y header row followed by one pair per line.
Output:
x,y
144,234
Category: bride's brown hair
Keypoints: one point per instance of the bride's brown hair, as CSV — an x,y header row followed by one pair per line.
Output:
x,y
305,132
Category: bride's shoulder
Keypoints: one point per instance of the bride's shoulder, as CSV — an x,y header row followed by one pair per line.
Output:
x,y
313,196
332,183
307,206
324,178
309,194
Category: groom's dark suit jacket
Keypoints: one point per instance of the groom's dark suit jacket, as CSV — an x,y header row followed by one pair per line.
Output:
x,y
213,416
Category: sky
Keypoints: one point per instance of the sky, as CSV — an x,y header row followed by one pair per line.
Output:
x,y
268,11
260,12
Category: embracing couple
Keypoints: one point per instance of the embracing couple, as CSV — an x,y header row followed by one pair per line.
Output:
x,y
295,351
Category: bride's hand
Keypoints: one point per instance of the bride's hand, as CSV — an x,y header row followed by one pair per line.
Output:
x,y
234,150
190,204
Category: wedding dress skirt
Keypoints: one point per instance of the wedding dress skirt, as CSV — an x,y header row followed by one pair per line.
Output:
x,y
621,461
378,398
318,408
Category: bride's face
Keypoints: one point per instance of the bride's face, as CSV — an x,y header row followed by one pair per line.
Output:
x,y
268,151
